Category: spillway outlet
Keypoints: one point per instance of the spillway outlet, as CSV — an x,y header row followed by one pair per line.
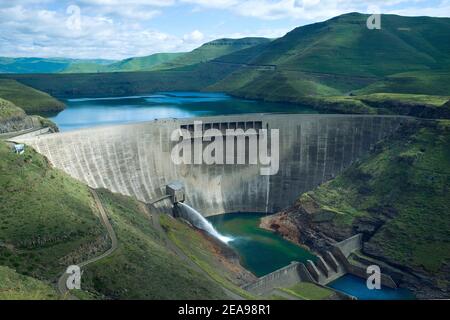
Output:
x,y
175,190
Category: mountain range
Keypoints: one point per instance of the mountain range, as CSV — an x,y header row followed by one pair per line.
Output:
x,y
338,65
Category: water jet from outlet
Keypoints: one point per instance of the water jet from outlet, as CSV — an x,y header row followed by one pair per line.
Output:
x,y
196,219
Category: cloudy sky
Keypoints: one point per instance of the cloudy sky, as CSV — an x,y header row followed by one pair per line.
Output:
x,y
116,29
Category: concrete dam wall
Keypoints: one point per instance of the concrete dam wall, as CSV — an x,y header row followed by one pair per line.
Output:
x,y
135,159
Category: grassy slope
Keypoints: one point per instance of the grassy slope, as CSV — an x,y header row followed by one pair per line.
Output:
x,y
9,111
44,65
32,65
414,82
308,291
14,286
143,63
344,45
320,64
48,221
45,215
142,267
127,65
200,251
213,50
32,101
404,186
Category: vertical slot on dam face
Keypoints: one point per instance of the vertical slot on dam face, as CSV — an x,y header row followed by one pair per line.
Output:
x,y
136,159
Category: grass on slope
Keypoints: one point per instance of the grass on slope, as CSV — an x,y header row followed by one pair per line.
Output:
x,y
146,63
43,65
46,217
49,221
404,186
308,291
344,45
32,101
421,99
9,111
14,286
417,82
213,50
197,249
143,267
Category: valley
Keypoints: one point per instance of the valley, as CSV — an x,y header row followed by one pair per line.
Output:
x,y
363,117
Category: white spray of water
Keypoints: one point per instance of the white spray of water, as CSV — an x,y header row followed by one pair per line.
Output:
x,y
195,217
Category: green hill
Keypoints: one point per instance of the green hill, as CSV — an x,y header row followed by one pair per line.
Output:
x,y
322,63
43,65
213,50
344,45
9,111
31,100
146,63
143,63
14,286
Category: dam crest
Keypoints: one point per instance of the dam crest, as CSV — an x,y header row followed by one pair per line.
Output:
x,y
135,159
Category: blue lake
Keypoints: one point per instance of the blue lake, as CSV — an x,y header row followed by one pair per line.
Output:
x,y
90,112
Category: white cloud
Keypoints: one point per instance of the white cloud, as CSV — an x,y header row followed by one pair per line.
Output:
x,y
194,36
45,33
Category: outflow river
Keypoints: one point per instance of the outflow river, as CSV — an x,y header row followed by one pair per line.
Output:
x,y
262,252
90,112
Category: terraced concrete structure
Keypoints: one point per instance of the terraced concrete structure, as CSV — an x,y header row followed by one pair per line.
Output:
x,y
135,159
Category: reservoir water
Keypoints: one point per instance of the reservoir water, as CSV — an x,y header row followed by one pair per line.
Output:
x,y
90,112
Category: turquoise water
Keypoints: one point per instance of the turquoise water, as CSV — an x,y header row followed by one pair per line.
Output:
x,y
261,251
90,112
357,287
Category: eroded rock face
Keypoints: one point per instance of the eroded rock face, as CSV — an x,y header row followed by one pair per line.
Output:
x,y
304,225
18,124
26,123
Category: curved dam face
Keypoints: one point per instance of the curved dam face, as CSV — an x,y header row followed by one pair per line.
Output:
x,y
136,160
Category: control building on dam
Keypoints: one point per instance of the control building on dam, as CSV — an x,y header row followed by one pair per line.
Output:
x,y
135,159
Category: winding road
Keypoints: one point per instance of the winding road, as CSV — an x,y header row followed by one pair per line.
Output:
x,y
154,220
64,291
